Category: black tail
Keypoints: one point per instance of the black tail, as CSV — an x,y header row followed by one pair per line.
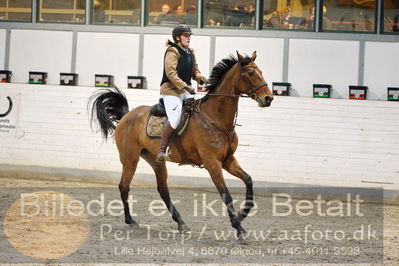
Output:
x,y
109,106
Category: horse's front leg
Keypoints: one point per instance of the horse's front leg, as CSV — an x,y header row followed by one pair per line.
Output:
x,y
231,165
162,186
214,168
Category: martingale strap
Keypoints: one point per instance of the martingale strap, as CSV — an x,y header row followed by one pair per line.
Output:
x,y
228,133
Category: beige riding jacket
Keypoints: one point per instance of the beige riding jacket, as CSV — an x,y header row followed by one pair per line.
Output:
x,y
176,85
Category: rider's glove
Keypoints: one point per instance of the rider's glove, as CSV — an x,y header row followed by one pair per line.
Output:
x,y
189,89
203,81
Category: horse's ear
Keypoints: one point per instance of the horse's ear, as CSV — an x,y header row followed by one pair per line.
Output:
x,y
239,56
253,57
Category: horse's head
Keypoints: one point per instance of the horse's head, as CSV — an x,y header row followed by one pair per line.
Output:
x,y
251,81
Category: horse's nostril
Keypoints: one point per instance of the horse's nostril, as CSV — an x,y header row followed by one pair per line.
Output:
x,y
269,99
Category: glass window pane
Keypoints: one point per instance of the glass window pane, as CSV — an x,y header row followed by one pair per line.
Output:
x,y
117,11
172,12
16,10
288,14
62,10
391,16
349,15
229,13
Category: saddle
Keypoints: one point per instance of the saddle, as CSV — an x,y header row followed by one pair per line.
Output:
x,y
157,118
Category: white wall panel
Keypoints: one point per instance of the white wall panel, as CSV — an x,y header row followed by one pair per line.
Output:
x,y
107,53
154,51
325,62
336,142
381,68
2,47
269,53
202,46
44,51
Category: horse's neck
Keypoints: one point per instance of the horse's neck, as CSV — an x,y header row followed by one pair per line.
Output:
x,y
222,109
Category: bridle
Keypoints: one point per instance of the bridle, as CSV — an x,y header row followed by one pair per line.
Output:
x,y
250,94
252,91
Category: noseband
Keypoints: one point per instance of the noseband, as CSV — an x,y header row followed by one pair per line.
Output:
x,y
252,91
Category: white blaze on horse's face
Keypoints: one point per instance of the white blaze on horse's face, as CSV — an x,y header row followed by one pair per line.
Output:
x,y
253,82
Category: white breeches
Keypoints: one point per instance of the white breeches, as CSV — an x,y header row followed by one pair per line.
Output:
x,y
173,106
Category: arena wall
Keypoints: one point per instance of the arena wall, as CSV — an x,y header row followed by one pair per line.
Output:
x,y
2,47
323,62
298,140
270,53
44,51
96,54
381,67
302,62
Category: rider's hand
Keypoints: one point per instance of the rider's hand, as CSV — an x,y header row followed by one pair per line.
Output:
x,y
203,81
190,89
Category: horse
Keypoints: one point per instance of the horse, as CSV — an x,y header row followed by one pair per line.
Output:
x,y
209,139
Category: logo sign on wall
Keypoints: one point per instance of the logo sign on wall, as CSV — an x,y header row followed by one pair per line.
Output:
x,y
8,114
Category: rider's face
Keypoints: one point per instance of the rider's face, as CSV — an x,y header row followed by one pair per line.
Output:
x,y
185,39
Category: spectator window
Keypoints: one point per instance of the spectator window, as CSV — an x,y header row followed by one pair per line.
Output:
x,y
349,15
391,16
233,13
16,10
62,10
172,12
117,11
286,14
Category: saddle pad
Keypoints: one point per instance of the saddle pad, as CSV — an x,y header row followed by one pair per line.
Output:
x,y
155,125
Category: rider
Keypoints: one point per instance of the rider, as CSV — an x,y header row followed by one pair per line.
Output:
x,y
180,67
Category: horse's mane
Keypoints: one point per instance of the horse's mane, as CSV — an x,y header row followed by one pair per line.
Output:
x,y
221,68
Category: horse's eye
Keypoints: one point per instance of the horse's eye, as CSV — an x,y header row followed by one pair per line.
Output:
x,y
251,73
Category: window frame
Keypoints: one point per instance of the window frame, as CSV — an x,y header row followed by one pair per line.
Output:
x,y
258,22
38,2
375,30
204,26
261,26
382,5
18,20
91,17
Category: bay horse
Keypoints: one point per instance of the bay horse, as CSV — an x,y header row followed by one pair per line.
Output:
x,y
209,139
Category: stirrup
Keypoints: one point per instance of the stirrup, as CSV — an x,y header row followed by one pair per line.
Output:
x,y
163,158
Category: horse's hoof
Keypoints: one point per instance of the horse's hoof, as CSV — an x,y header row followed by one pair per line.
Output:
x,y
183,228
242,235
129,220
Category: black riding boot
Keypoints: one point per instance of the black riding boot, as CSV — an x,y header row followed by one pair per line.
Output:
x,y
167,133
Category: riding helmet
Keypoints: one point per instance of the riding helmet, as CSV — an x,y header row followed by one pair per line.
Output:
x,y
179,30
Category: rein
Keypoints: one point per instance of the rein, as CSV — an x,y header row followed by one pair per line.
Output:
x,y
229,133
243,95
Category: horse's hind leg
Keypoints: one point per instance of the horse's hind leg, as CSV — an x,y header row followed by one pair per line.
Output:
x,y
231,165
129,167
162,186
215,170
